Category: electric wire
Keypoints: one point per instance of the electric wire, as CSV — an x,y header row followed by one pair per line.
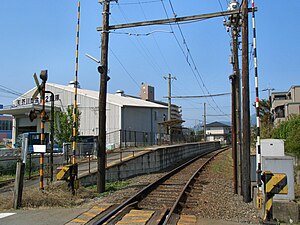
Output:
x,y
142,45
192,59
155,41
124,67
9,90
140,2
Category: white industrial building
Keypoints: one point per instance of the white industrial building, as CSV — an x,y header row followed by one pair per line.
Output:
x,y
124,113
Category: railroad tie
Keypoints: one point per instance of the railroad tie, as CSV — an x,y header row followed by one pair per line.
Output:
x,y
136,217
87,216
187,220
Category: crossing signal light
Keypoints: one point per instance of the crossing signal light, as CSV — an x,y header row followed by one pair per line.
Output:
x,y
32,115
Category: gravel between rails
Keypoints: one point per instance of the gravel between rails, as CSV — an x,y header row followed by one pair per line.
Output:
x,y
217,200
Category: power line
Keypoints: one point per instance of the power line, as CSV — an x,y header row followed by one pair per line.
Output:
x,y
143,46
189,54
9,90
140,2
156,43
124,68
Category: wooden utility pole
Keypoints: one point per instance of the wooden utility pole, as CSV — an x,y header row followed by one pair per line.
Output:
x,y
233,132
233,23
237,106
246,182
204,122
103,68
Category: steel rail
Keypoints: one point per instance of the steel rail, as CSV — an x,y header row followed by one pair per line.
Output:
x,y
174,207
145,191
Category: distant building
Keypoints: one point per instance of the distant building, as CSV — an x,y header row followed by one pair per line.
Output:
x,y
124,113
285,104
217,131
5,127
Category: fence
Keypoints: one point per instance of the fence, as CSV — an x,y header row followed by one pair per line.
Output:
x,y
128,138
86,151
8,165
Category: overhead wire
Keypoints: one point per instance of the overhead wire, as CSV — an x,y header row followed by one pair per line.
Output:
x,y
124,68
156,43
192,59
9,90
140,2
155,65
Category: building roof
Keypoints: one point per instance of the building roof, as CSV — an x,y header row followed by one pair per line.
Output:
x,y
217,124
116,99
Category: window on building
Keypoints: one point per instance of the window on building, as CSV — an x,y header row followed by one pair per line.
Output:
x,y
5,125
155,115
280,97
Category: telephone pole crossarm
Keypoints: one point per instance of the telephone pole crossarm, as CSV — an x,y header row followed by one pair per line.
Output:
x,y
174,20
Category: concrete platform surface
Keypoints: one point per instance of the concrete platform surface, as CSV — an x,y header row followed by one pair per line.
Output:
x,y
52,216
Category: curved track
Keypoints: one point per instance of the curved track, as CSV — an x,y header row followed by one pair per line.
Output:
x,y
158,202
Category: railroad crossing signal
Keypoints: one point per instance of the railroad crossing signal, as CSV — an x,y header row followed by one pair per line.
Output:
x,y
39,90
32,113
39,87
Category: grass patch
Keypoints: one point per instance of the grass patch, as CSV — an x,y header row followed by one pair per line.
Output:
x,y
223,165
111,187
6,177
54,195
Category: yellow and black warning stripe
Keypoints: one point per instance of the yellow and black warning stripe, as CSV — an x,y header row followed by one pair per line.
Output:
x,y
274,184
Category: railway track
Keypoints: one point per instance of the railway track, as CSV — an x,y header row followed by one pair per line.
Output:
x,y
160,202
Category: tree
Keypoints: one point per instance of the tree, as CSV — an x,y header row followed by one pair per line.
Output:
x,y
290,131
265,118
64,125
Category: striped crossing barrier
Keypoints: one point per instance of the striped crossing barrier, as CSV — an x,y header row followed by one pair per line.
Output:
x,y
273,184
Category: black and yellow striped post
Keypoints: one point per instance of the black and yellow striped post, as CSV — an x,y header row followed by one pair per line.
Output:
x,y
273,184
74,178
44,77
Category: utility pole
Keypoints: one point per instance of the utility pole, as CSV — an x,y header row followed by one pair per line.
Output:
x,y
234,24
233,132
169,78
52,133
103,68
204,122
270,107
246,182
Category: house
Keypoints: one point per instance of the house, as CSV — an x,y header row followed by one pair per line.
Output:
x,y
128,118
285,104
217,131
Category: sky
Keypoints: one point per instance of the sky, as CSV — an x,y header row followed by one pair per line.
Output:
x,y
41,34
